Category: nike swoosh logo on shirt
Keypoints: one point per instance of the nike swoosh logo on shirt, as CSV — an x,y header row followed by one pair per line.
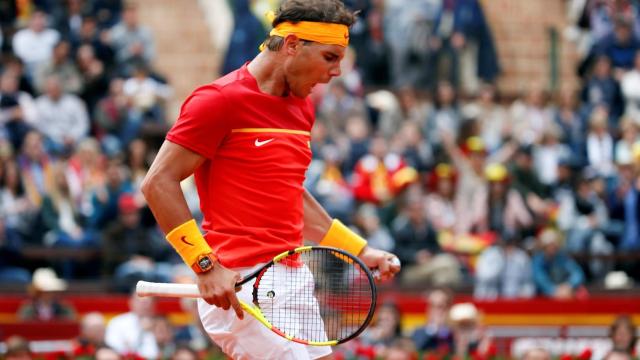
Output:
x,y
259,143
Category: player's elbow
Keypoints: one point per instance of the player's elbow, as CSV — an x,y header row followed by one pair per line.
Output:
x,y
150,186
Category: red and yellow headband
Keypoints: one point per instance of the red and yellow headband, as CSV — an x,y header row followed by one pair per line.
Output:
x,y
324,33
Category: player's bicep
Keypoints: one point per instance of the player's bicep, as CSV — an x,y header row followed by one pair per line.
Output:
x,y
175,162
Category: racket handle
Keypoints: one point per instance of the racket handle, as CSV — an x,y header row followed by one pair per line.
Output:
x,y
145,288
376,272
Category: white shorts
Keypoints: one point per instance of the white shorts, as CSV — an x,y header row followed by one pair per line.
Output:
x,y
248,338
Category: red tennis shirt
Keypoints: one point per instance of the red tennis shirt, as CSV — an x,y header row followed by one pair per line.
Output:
x,y
257,151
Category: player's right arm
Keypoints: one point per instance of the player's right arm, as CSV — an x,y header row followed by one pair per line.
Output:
x,y
161,188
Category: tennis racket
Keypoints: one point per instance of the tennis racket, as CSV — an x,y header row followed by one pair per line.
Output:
x,y
312,295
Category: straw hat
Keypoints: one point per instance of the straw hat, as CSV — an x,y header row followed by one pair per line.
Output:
x,y
45,279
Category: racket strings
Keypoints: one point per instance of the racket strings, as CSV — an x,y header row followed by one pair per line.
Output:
x,y
327,296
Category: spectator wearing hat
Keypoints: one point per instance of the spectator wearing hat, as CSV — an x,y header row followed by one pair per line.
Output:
x,y
43,303
439,201
498,207
555,273
470,338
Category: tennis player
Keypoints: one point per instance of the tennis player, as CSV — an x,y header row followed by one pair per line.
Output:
x,y
246,137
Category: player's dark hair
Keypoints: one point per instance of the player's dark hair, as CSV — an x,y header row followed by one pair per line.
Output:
x,y
327,11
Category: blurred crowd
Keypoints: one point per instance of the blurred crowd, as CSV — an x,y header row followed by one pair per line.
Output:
x,y
514,195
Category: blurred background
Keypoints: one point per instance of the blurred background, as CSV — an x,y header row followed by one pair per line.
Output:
x,y
492,144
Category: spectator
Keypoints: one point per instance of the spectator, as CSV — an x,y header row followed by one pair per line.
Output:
x,y
536,354
470,339
185,353
439,201
89,35
91,338
116,122
17,348
623,335
132,252
164,334
446,119
556,274
147,96
94,77
85,173
62,218
620,46
327,183
131,334
34,44
19,213
62,66
104,201
338,105
630,85
602,89
35,168
386,328
62,117
570,122
18,111
492,118
498,207
600,143
370,227
504,271
463,37
409,143
107,353
246,36
11,262
418,249
131,41
43,303
583,216
380,175
531,115
628,137
401,349
547,155
436,334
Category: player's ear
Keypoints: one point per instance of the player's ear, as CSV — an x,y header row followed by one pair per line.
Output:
x,y
292,44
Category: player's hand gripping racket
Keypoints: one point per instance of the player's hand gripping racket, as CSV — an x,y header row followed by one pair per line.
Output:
x,y
312,295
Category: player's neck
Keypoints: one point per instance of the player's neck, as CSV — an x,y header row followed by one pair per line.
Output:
x,y
268,71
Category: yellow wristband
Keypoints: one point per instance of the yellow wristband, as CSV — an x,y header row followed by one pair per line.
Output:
x,y
341,237
188,242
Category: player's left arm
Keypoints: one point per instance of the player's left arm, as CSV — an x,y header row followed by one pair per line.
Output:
x,y
320,228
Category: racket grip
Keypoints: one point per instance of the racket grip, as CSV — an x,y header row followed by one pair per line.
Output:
x,y
145,288
376,272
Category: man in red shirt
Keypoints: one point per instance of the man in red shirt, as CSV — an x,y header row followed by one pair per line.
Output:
x,y
246,137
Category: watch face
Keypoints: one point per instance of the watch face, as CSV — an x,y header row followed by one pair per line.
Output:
x,y
204,263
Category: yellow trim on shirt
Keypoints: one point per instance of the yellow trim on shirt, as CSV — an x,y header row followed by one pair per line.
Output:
x,y
271,130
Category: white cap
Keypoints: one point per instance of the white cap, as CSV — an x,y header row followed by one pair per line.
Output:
x,y
45,279
617,280
463,311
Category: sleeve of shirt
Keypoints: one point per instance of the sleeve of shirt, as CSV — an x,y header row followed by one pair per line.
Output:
x,y
202,124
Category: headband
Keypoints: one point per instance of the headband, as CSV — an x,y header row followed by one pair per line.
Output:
x,y
324,33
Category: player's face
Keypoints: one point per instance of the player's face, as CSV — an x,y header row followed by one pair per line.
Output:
x,y
313,64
